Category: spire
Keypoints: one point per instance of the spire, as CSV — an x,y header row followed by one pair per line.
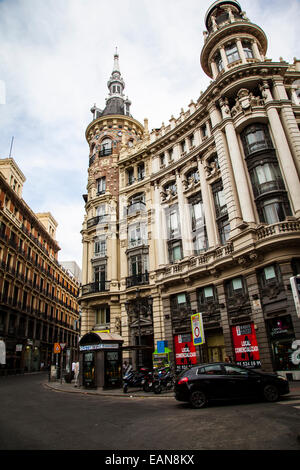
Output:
x,y
116,63
116,103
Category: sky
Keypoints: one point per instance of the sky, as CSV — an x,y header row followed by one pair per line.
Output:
x,y
56,57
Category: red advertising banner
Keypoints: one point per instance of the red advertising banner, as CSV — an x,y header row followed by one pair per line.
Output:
x,y
185,351
245,345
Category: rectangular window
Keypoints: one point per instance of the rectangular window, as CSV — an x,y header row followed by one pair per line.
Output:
x,y
248,50
100,277
173,224
219,199
232,53
235,287
269,272
101,185
137,235
138,264
141,172
100,247
102,315
237,283
181,299
175,251
208,292
130,175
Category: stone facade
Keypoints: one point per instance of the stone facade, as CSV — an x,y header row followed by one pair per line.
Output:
x,y
204,212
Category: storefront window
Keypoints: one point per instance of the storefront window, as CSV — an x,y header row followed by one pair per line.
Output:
x,y
281,335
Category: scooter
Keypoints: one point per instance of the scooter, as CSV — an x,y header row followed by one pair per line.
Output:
x,y
134,379
148,382
165,382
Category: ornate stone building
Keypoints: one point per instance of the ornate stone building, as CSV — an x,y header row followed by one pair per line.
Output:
x,y
201,215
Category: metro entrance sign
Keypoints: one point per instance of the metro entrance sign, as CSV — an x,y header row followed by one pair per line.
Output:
x,y
197,329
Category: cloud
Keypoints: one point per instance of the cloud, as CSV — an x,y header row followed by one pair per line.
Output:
x,y
56,58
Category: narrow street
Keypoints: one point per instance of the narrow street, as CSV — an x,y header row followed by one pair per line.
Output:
x,y
34,417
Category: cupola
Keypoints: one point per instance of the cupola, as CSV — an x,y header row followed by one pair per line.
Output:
x,y
231,39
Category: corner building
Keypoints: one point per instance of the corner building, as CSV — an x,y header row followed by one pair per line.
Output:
x,y
201,215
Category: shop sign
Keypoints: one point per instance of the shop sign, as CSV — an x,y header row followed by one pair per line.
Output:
x,y
245,345
2,352
295,285
90,347
296,354
280,326
197,329
185,351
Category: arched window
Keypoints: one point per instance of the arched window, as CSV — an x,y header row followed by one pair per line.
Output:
x,y
256,137
267,183
106,147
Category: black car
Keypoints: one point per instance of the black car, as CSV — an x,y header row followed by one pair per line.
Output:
x,y
226,381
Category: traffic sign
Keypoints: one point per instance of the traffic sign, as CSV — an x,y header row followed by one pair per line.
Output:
x,y
63,345
57,348
197,329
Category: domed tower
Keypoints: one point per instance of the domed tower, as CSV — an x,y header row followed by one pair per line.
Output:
x,y
111,129
231,39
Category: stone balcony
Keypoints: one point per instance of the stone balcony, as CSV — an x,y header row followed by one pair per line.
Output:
x,y
243,249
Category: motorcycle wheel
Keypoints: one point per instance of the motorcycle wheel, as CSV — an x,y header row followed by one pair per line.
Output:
x,y
157,388
125,388
146,387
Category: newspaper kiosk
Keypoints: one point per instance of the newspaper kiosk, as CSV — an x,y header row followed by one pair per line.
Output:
x,y
100,360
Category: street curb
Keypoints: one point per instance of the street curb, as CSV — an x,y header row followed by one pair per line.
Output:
x,y
103,393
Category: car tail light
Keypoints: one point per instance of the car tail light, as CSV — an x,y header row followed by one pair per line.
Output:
x,y
183,380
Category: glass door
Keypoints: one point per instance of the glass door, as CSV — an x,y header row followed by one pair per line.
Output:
x,y
89,373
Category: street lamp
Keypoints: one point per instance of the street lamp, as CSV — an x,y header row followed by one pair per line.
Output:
x,y
141,306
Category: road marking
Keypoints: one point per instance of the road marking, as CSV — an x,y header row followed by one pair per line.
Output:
x,y
289,402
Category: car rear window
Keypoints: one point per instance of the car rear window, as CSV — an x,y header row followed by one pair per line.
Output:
x,y
211,370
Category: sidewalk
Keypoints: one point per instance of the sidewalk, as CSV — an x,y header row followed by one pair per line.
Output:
x,y
118,392
137,393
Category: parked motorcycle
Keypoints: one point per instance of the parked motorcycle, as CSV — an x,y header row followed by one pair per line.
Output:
x,y
134,379
148,382
164,382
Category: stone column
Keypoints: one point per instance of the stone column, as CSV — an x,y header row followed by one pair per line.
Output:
x,y
158,228
207,206
224,58
238,167
255,50
241,50
85,263
288,120
114,247
285,158
225,320
259,322
233,209
187,244
158,319
214,69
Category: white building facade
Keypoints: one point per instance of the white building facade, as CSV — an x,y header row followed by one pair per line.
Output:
x,y
201,215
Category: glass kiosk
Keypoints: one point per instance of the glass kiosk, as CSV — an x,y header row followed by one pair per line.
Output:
x,y
100,360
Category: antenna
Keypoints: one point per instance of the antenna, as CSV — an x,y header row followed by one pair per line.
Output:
x,y
12,140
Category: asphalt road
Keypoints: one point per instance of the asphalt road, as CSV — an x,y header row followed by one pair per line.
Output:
x,y
33,417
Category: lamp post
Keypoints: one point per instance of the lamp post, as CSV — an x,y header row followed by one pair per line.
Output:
x,y
136,308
